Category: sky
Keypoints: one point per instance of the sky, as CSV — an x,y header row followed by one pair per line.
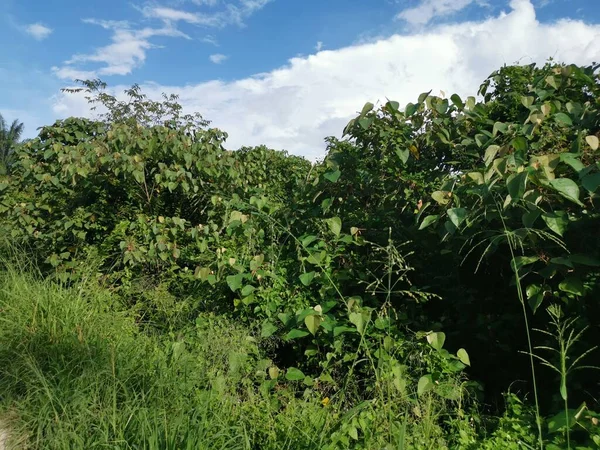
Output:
x,y
284,73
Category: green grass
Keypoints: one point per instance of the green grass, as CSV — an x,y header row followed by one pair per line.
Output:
x,y
78,372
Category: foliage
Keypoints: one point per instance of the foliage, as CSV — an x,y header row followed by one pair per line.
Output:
x,y
9,138
378,281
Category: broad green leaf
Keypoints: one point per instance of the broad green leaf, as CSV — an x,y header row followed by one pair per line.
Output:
x,y
563,119
306,278
521,261
463,356
428,221
294,374
557,221
393,106
268,329
572,161
591,182
335,225
202,273
499,127
247,290
442,197
592,141
273,372
403,154
360,320
572,285
365,122
313,323
285,318
339,330
436,339
527,101
457,216
516,184
235,281
567,188
368,107
296,334
455,98
585,260
530,217
535,296
333,176
490,154
425,384
552,81
410,109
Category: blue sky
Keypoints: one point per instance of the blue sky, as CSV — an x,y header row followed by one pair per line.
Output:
x,y
285,73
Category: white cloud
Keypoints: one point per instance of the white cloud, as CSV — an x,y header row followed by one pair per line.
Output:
x,y
126,52
210,39
296,106
428,9
228,13
319,46
38,31
218,58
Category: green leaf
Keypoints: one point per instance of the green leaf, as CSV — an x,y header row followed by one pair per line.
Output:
x,y
313,323
516,184
425,384
455,98
268,329
521,261
567,188
527,101
410,109
235,281
592,141
585,260
457,216
572,285
530,217
368,107
563,119
572,161
247,290
339,330
561,420
296,334
436,339
463,356
442,197
499,127
591,182
427,221
557,221
335,225
294,374
360,320
490,154
306,278
333,176
535,296
403,154
365,122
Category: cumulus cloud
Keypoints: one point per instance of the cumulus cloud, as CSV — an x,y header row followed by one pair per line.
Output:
x,y
218,58
296,106
38,31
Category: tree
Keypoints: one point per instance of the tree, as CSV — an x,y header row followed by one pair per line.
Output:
x,y
9,137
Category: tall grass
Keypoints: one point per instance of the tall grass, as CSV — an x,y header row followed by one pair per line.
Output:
x,y
78,372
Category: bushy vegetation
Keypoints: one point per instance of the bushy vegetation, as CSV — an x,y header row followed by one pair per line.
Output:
x,y
432,283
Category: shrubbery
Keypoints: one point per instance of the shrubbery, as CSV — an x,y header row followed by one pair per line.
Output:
x,y
431,238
